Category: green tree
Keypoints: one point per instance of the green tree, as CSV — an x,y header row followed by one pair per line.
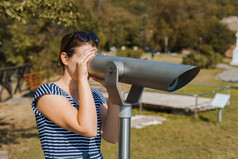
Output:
x,y
185,22
218,36
33,29
118,25
121,29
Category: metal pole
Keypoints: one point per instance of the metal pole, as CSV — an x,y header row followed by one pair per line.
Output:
x,y
125,126
196,103
229,92
112,72
219,115
140,106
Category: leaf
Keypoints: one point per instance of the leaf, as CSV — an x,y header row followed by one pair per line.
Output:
x,y
9,12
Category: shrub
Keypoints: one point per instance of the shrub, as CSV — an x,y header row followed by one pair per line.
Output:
x,y
206,59
130,53
195,60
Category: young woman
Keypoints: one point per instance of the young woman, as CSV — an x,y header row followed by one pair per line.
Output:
x,y
71,117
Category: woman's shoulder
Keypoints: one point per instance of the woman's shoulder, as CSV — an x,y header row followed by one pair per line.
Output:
x,y
48,88
43,91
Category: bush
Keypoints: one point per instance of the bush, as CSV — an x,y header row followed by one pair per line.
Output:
x,y
195,60
130,53
206,59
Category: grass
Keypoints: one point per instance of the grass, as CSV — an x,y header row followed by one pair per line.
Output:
x,y
183,137
179,137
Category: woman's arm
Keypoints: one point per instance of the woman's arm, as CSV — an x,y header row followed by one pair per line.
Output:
x,y
110,123
60,111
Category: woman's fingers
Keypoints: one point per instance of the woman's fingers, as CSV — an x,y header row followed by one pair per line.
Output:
x,y
86,54
82,63
87,58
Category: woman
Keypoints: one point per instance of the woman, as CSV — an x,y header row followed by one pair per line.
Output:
x,y
71,117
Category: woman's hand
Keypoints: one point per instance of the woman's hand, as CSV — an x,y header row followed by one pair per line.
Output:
x,y
81,64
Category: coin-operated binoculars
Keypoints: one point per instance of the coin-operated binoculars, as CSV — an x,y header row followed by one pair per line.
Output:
x,y
139,73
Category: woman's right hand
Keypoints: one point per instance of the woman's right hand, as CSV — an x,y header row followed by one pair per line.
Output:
x,y
81,64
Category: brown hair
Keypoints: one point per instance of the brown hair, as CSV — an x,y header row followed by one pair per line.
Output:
x,y
76,42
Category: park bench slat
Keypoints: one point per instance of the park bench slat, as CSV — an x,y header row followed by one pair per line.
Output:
x,y
33,80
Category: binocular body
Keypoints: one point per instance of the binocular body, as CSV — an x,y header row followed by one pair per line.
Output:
x,y
145,73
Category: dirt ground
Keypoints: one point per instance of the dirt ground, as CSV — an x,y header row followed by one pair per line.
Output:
x,y
18,127
17,124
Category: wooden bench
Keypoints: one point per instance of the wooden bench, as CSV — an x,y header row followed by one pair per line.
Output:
x,y
33,80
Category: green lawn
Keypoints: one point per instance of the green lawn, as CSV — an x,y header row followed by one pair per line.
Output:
x,y
183,137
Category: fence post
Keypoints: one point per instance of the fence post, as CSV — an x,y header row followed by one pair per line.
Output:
x,y
140,105
229,92
5,78
196,103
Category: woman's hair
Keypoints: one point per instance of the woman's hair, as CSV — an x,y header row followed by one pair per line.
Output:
x,y
76,42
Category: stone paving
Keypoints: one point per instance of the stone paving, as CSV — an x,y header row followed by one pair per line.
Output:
x,y
141,121
173,103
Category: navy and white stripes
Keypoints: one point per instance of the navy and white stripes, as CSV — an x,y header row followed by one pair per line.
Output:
x,y
57,142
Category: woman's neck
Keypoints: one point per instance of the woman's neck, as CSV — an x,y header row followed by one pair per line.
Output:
x,y
68,84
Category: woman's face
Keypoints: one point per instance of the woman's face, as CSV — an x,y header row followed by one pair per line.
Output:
x,y
73,60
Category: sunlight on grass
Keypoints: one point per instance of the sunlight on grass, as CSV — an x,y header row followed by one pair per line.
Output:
x,y
184,137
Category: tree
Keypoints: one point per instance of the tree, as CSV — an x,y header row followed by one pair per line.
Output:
x,y
122,30
118,26
186,21
218,36
34,28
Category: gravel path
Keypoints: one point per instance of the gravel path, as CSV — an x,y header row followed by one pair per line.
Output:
x,y
229,75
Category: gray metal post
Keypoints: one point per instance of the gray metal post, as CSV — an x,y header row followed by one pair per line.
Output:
x,y
125,126
112,74
140,106
196,103
229,92
219,114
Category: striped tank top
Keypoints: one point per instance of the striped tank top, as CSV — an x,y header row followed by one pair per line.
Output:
x,y
57,142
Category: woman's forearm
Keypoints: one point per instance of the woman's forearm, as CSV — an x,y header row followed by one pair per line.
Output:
x,y
87,115
110,131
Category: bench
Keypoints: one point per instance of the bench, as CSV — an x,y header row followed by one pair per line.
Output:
x,y
33,80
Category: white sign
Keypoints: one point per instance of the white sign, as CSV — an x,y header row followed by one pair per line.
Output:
x,y
220,100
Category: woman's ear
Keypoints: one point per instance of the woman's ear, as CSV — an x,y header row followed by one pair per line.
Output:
x,y
64,58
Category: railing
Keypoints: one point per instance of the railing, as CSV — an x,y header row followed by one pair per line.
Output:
x,y
7,77
221,88
196,96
